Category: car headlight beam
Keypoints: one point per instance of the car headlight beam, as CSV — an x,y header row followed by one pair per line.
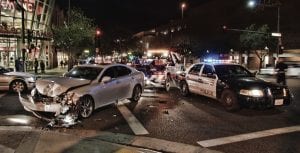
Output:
x,y
252,93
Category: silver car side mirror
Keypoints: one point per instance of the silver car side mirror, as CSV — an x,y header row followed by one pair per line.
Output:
x,y
106,79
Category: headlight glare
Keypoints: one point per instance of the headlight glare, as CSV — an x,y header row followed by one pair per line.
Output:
x,y
252,93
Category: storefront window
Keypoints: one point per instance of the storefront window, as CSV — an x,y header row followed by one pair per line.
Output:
x,y
36,17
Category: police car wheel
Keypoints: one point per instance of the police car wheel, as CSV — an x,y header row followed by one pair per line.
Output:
x,y
229,100
184,89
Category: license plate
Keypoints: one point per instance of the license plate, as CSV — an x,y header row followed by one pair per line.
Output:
x,y
278,102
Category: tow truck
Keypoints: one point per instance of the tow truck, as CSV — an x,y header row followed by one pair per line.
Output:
x,y
160,67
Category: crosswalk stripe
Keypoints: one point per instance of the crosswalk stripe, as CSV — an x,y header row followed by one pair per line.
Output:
x,y
132,121
248,136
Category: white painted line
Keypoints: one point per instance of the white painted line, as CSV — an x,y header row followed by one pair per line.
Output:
x,y
2,95
132,121
248,136
16,128
4,149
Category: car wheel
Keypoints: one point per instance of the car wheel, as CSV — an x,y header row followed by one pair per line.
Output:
x,y
229,100
184,89
18,86
86,106
136,94
168,83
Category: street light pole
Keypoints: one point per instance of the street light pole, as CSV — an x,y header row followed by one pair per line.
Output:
x,y
253,3
278,30
183,5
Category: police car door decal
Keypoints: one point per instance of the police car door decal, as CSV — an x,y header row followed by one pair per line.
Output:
x,y
209,82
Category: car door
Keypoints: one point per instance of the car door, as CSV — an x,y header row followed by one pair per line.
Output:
x,y
124,80
106,93
192,78
208,81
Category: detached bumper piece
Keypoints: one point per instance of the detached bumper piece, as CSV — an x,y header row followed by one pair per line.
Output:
x,y
65,116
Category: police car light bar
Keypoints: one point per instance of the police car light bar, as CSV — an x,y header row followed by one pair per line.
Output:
x,y
217,61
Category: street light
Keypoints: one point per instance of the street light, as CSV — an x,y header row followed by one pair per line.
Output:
x,y
183,6
253,3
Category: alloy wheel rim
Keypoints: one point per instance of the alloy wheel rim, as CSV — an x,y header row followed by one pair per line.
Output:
x,y
18,86
184,88
137,94
228,100
86,107
168,84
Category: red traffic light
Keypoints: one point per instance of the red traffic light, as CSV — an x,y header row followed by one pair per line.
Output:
x,y
98,32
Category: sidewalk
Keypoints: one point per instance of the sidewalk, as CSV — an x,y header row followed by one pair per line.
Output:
x,y
18,139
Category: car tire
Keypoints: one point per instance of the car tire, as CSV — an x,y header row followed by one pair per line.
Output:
x,y
136,94
229,101
17,85
184,89
86,106
168,83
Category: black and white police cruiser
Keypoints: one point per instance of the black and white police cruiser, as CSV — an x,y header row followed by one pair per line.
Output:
x,y
234,86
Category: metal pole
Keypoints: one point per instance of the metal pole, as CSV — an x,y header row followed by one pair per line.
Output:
x,y
182,13
278,30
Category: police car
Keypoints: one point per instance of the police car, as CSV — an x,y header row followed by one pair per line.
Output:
x,y
233,85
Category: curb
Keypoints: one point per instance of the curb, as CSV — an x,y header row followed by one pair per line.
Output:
x,y
80,137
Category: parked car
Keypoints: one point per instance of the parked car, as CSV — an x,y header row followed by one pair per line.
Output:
x,y
16,81
234,86
84,89
292,71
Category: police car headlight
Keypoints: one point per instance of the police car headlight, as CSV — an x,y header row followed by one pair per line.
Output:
x,y
252,93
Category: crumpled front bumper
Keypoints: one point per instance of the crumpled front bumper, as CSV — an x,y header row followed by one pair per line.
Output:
x,y
32,106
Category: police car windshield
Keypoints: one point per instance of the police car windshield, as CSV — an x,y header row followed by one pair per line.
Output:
x,y
232,71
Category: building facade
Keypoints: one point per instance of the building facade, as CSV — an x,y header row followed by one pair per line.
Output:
x,y
25,31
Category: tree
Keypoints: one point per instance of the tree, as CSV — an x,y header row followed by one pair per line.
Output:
x,y
74,36
257,39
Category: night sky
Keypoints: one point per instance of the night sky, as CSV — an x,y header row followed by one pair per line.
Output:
x,y
135,15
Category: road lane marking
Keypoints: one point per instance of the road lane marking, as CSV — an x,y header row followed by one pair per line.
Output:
x,y
248,136
133,122
2,95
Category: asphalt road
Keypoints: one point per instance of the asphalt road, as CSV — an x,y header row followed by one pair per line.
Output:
x,y
192,120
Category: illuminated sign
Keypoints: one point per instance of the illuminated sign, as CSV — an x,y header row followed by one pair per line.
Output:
x,y
28,5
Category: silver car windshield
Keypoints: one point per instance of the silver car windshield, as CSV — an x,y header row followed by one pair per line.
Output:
x,y
88,73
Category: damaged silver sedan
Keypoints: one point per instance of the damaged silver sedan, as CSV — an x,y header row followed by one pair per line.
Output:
x,y
82,90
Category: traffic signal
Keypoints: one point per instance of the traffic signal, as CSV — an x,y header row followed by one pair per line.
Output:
x,y
97,38
98,32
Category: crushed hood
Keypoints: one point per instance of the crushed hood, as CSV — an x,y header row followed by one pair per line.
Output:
x,y
55,86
